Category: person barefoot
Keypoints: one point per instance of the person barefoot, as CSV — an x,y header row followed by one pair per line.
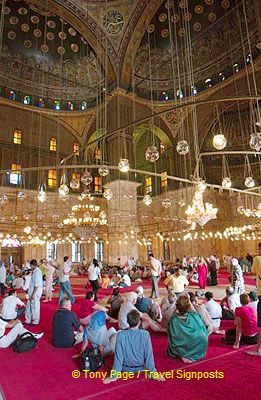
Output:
x,y
186,360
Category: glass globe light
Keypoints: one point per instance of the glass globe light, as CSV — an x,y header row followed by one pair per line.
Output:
x,y
21,196
124,165
14,218
249,182
226,182
103,171
27,230
219,141
166,203
107,194
63,190
255,141
42,196
75,184
103,215
26,216
152,154
183,147
3,199
86,178
147,200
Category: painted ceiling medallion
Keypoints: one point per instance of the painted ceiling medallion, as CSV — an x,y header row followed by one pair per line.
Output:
x,y
22,11
113,22
44,48
72,31
187,16
209,2
62,35
11,35
212,17
225,4
199,9
175,18
61,50
51,24
168,4
74,47
183,4
197,27
163,17
37,33
50,35
13,20
35,19
165,33
25,27
27,44
151,28
6,10
181,32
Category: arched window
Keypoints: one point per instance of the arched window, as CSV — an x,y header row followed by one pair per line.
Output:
x,y
76,148
53,144
52,177
17,136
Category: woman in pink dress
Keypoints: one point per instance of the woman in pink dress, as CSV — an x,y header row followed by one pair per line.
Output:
x,y
202,270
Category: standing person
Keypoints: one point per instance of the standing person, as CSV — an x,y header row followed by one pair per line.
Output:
x,y
94,277
202,270
176,282
49,270
2,278
213,271
155,270
238,276
256,269
65,280
35,290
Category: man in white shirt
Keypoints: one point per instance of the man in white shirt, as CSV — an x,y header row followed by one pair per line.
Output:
x,y
9,307
2,278
16,329
125,281
214,309
35,290
155,269
65,281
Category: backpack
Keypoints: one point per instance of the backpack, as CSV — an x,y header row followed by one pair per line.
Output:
x,y
25,342
91,359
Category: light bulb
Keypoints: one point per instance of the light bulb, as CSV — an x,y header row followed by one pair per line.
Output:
x,y
226,182
183,147
75,184
86,178
21,196
249,182
166,203
147,200
124,165
152,154
103,171
219,141
63,190
107,194
255,141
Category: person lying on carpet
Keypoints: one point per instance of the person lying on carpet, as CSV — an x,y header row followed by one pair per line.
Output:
x,y
147,305
16,329
88,307
97,333
114,301
9,307
65,322
133,350
245,330
187,334
129,305
230,303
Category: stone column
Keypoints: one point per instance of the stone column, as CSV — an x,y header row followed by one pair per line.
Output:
x,y
122,221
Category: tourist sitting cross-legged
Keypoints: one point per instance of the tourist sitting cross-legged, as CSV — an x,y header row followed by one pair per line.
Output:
x,y
245,330
114,302
187,334
88,307
10,310
129,305
66,330
133,350
147,305
16,329
215,311
230,303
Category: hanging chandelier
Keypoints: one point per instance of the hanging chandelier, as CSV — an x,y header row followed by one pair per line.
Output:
x,y
85,215
200,212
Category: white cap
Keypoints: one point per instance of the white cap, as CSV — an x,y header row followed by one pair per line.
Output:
x,y
139,289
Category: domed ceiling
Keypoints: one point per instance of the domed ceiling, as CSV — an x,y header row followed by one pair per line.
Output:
x,y
207,29
43,55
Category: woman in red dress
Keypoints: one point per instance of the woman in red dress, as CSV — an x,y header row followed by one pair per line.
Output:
x,y
202,270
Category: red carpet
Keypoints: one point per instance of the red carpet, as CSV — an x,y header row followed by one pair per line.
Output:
x,y
48,371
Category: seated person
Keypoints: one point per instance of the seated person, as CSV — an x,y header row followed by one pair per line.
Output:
x,y
16,329
253,300
105,281
194,277
230,303
147,305
88,307
133,350
176,282
65,323
214,310
125,281
187,334
9,307
246,330
168,307
129,305
114,280
114,302
18,282
146,273
10,280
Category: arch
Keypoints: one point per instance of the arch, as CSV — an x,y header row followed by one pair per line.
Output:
x,y
157,131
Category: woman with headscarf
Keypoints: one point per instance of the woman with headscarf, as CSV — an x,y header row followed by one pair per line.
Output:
x,y
202,270
238,278
213,271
